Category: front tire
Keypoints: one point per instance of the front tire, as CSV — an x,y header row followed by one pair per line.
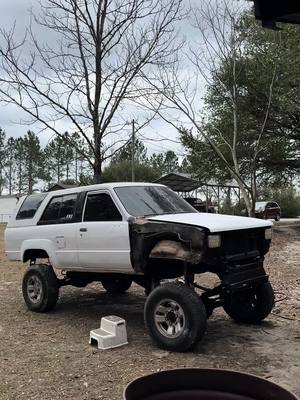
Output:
x,y
175,317
117,285
40,288
251,306
277,217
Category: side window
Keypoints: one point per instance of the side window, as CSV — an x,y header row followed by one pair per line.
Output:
x,y
60,210
30,206
51,212
67,209
100,207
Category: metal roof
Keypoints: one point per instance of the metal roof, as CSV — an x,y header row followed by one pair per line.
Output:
x,y
272,11
60,186
10,196
180,182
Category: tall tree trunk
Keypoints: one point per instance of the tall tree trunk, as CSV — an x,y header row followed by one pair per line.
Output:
x,y
97,167
58,170
76,166
10,179
30,177
98,157
20,178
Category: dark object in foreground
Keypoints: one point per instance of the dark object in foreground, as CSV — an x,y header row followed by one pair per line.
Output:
x,y
272,11
204,384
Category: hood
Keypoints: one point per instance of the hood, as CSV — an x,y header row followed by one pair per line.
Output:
x,y
214,222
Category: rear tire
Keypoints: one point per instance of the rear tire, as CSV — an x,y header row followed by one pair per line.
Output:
x,y
175,317
116,285
277,217
40,288
251,306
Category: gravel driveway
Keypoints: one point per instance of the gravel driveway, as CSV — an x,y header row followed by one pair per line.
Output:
x,y
47,356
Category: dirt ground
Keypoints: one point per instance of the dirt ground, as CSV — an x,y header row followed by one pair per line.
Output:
x,y
47,356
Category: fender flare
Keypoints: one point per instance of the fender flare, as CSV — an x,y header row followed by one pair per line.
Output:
x,y
39,244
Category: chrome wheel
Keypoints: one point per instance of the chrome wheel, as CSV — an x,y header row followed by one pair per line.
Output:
x,y
169,318
34,289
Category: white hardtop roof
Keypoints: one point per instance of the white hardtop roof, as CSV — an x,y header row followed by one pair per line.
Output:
x,y
100,186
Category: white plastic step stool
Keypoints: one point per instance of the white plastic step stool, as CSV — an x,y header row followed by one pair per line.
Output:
x,y
112,333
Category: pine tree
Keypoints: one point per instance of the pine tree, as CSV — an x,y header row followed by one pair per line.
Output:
x,y
10,151
2,160
32,160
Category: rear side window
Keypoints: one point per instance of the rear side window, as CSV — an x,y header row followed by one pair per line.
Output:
x,y
30,206
67,208
60,210
100,207
51,213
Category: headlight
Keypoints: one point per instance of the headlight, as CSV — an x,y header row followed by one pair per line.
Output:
x,y
214,241
268,234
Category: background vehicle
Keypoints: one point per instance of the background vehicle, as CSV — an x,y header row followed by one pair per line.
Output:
x,y
146,233
200,205
268,210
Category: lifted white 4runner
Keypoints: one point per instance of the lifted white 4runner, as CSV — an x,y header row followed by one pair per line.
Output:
x,y
124,232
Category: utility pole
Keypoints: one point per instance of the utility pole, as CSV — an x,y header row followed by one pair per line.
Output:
x,y
132,151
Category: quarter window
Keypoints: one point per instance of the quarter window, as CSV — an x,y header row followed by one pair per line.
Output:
x,y
100,207
52,211
61,209
30,206
67,208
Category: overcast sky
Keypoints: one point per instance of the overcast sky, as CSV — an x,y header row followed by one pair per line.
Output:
x,y
12,11
18,11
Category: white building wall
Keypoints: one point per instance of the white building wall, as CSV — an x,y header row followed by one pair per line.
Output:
x,y
7,206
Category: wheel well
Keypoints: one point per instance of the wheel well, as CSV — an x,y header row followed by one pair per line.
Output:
x,y
33,254
164,268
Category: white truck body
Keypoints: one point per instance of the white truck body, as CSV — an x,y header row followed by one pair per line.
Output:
x,y
121,233
99,246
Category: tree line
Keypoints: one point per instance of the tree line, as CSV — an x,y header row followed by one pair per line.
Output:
x,y
26,166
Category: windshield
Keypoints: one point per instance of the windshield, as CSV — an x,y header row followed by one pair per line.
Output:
x,y
142,201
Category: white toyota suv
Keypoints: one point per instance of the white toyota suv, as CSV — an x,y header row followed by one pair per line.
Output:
x,y
121,233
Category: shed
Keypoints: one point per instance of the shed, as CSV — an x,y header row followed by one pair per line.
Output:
x,y
272,11
7,206
60,186
186,184
179,182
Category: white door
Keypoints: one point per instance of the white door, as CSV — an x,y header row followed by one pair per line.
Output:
x,y
103,236
58,226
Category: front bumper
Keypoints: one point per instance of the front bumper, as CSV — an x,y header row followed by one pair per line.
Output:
x,y
241,276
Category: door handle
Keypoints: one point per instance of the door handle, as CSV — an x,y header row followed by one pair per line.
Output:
x,y
83,229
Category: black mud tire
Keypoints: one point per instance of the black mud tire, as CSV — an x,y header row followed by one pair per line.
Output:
x,y
192,308
116,285
252,306
40,288
277,217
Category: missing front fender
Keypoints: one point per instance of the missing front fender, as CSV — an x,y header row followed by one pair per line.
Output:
x,y
175,251
166,240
